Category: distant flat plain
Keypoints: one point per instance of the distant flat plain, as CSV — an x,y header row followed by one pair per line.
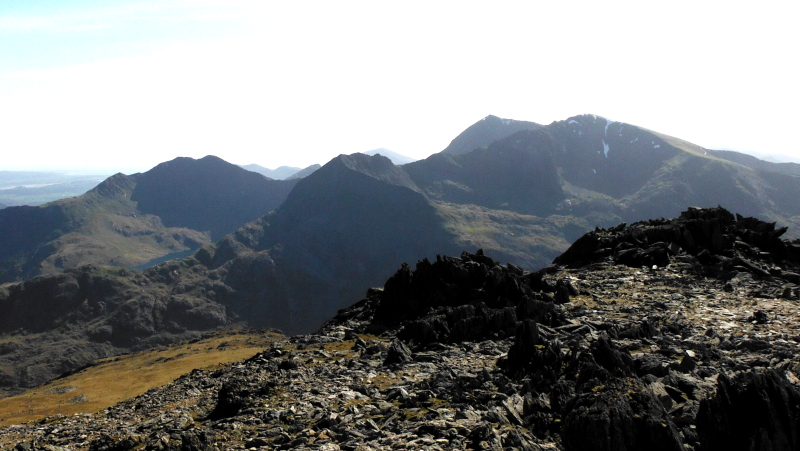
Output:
x,y
37,188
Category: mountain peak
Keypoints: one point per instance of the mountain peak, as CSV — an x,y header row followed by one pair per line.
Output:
x,y
117,185
493,118
486,131
376,166
199,187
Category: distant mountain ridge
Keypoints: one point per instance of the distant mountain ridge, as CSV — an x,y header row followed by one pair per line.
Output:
x,y
396,158
486,131
128,220
281,173
757,163
304,172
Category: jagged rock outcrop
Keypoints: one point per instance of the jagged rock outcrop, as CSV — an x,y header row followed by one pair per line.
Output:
x,y
470,298
719,241
755,411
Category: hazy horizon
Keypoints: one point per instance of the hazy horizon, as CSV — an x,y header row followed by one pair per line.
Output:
x,y
773,158
121,85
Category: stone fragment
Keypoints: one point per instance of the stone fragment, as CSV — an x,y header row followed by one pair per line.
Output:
x,y
397,353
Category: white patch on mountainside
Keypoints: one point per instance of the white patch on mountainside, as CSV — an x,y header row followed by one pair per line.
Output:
x,y
605,131
573,121
605,148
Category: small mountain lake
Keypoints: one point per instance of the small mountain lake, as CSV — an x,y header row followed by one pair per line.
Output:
x,y
163,258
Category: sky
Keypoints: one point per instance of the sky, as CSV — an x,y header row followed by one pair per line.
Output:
x,y
120,86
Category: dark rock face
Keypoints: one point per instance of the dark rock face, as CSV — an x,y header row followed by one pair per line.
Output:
x,y
754,411
469,298
619,417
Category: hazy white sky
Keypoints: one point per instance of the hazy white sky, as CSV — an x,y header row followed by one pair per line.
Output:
x,y
123,85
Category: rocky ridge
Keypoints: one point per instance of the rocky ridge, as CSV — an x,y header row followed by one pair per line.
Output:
x,y
694,349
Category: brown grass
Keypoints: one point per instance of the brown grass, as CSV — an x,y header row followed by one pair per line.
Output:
x,y
119,378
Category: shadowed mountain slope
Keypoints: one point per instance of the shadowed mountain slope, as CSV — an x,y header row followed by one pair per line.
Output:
x,y
516,173
339,228
207,194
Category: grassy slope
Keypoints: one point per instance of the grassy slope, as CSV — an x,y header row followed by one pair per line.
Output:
x,y
120,240
115,379
111,232
525,240
103,227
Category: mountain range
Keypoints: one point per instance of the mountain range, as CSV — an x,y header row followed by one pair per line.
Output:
x,y
309,247
179,205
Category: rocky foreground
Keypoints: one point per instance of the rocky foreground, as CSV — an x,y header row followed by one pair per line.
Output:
x,y
663,335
